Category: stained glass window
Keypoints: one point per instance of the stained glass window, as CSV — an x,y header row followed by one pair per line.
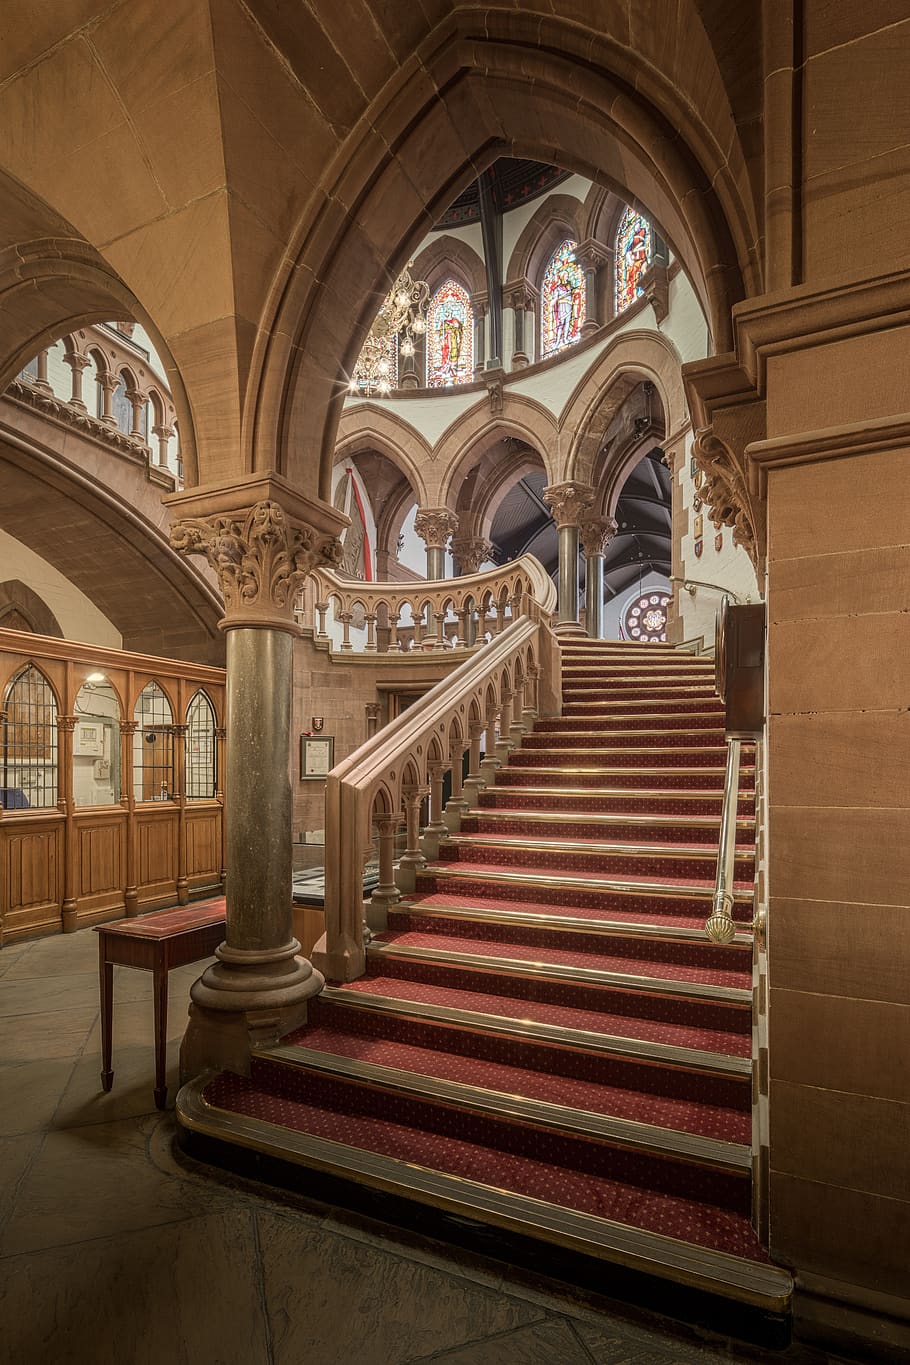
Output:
x,y
633,255
562,301
646,618
450,337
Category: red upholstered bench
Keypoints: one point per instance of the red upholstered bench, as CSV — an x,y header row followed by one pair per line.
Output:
x,y
154,943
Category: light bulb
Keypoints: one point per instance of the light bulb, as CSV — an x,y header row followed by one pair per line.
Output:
x,y
419,327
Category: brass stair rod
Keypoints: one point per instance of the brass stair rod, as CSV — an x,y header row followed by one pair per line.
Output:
x,y
720,927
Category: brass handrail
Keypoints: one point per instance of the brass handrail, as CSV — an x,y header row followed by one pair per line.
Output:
x,y
720,926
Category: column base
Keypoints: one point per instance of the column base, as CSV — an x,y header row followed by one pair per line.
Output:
x,y
377,907
409,864
568,628
246,999
429,843
455,809
489,767
471,790
346,961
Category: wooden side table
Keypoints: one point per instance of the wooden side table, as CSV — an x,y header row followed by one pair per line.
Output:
x,y
154,943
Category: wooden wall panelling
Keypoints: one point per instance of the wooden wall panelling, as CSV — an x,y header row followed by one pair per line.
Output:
x,y
31,875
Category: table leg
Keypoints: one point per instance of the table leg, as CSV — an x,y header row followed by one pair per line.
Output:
x,y
106,973
160,1036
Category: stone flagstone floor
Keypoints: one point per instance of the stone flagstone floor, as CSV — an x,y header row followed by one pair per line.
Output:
x,y
114,1253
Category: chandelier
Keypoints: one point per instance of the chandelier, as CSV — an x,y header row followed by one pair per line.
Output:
x,y
400,320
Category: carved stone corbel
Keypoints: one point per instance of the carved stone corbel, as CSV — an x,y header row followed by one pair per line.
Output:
x,y
655,283
727,497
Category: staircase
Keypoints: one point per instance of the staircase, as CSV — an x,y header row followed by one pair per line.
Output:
x,y
544,1040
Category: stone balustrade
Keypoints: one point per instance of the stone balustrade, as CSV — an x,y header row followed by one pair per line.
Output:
x,y
347,616
481,708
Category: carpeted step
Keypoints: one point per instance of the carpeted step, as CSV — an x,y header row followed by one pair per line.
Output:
x,y
626,720
627,895
634,756
616,777
620,827
630,801
684,1099
708,1207
668,958
669,918
621,737
593,858
648,1015
609,705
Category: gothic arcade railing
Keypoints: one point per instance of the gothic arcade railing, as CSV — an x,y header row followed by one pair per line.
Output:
x,y
349,616
484,706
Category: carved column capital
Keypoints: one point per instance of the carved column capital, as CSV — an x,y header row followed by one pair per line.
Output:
x,y
76,361
596,533
434,525
471,552
591,254
262,549
568,501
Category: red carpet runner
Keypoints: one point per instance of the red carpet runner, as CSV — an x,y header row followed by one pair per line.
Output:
x,y
544,1016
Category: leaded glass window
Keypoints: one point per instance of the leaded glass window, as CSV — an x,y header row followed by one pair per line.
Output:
x,y
562,301
633,255
153,746
450,337
200,748
646,618
28,777
96,743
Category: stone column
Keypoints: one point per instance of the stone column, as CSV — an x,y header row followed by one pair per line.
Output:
x,y
137,403
521,300
592,255
569,501
596,534
436,828
77,364
434,525
163,435
108,384
529,709
386,892
457,805
412,860
262,550
41,381
474,782
480,347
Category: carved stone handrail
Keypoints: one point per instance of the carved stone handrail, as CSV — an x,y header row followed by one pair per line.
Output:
x,y
426,615
512,680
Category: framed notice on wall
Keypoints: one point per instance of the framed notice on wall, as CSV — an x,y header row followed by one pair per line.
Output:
x,y
316,756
